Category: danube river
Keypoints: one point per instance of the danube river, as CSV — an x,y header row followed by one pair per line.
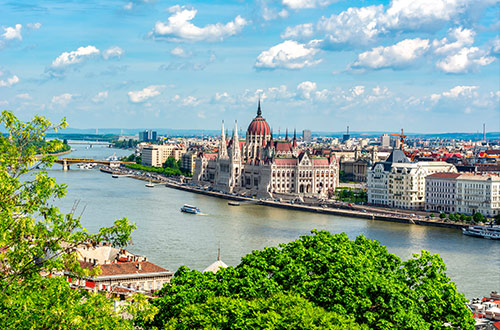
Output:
x,y
171,238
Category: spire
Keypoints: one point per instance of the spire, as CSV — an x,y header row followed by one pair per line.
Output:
x,y
218,253
286,134
295,134
223,145
259,111
235,146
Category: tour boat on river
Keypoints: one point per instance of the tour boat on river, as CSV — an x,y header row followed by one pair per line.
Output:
x,y
492,232
190,209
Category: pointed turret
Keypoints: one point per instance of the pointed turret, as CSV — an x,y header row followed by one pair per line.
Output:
x,y
259,111
294,144
286,134
223,145
235,146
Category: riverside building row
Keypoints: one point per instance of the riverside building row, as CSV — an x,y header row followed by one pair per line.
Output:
x,y
432,186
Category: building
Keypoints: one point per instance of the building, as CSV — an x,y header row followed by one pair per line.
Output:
x,y
155,155
478,193
307,136
346,136
356,169
188,162
400,183
147,136
261,166
121,272
385,141
441,192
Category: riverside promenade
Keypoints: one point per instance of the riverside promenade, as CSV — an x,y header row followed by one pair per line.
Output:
x,y
370,213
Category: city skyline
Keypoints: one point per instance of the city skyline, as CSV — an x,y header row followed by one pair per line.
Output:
x,y
427,66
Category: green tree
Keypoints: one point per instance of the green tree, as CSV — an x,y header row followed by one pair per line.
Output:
x,y
358,280
431,215
497,219
442,215
452,217
37,240
171,163
478,217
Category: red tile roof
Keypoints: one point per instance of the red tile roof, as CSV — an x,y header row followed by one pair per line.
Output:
x,y
125,268
283,146
285,161
210,156
444,175
320,161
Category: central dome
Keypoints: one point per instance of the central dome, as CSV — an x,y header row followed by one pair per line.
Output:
x,y
259,126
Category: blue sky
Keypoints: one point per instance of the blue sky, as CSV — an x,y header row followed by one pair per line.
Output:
x,y
424,65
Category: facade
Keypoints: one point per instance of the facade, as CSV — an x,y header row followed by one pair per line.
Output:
x,y
399,183
260,166
307,136
356,169
478,193
155,155
463,193
188,161
385,141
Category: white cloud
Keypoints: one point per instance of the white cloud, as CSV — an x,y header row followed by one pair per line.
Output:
x,y
13,32
180,28
9,82
112,52
100,97
34,26
269,14
24,96
62,100
4,103
456,92
145,94
462,37
287,55
298,31
180,52
402,54
190,101
128,6
305,88
358,90
303,4
465,60
74,57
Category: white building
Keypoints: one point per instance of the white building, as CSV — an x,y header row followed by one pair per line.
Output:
x,y
399,183
441,192
155,155
478,193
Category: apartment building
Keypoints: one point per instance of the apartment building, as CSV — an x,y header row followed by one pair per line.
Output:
x,y
441,192
155,155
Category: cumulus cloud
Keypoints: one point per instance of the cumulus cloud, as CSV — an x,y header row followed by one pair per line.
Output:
x,y
179,27
303,4
9,81
287,55
299,31
74,57
467,59
100,97
145,94
455,92
190,101
180,52
400,55
24,96
112,52
62,100
459,38
304,89
11,33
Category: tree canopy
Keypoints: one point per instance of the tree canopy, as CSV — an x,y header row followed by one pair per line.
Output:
x,y
358,281
37,240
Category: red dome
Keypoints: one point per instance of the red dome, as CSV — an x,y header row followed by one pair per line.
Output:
x,y
259,126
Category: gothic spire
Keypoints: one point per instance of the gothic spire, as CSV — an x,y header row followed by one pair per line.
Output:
x,y
259,111
286,135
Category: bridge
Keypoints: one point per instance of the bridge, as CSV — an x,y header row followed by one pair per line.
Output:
x,y
90,143
66,162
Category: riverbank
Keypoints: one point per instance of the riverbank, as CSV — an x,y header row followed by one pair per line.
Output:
x,y
380,215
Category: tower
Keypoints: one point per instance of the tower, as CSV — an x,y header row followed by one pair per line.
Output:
x,y
222,143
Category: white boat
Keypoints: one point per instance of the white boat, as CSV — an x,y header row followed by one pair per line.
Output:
x,y
492,232
190,209
233,203
150,184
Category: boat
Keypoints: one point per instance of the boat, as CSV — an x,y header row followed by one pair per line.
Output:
x,y
233,203
492,232
150,184
190,209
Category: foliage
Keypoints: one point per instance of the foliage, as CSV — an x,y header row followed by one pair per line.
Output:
x,y
358,280
172,163
36,239
442,215
281,311
452,217
478,217
497,219
351,195
160,170
431,215
124,144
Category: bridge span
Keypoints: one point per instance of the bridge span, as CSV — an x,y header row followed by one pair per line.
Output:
x,y
66,162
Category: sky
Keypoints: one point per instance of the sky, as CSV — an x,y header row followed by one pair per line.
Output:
x,y
427,66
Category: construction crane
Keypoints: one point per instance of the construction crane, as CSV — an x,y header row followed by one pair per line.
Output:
x,y
401,138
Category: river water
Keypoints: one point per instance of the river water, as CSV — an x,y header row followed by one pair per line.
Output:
x,y
171,238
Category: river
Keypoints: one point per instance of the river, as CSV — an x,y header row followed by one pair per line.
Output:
x,y
171,238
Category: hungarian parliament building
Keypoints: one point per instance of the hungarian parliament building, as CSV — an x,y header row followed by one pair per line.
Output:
x,y
263,167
